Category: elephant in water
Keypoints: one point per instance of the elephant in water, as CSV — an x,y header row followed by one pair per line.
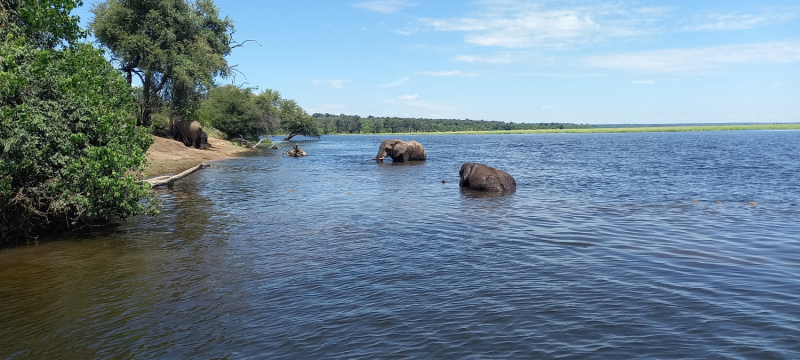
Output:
x,y
481,177
401,151
191,133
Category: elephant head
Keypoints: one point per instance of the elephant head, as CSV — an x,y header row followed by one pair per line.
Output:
x,y
484,178
401,151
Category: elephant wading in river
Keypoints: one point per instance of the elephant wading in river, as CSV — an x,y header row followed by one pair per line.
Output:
x,y
191,133
481,177
401,151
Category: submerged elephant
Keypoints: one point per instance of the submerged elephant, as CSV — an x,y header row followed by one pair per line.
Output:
x,y
484,178
401,151
191,133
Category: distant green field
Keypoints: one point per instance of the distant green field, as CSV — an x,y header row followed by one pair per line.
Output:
x,y
627,129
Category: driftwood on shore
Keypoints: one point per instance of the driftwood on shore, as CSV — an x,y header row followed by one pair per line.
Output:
x,y
248,144
296,151
168,180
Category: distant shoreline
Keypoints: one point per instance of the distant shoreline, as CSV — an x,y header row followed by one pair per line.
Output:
x,y
795,126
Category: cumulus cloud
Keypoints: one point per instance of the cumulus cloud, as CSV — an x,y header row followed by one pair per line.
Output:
x,y
447,73
701,58
398,82
408,97
384,6
336,84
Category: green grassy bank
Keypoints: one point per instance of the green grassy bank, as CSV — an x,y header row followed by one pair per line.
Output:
x,y
625,129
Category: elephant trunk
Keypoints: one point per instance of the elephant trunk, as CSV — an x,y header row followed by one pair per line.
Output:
x,y
381,153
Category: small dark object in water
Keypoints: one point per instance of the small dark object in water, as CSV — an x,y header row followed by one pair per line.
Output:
x,y
444,181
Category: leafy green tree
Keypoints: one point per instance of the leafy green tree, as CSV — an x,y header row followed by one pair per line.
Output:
x,y
268,103
68,135
295,121
174,47
44,23
233,111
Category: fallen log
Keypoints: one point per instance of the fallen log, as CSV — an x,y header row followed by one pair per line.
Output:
x,y
168,180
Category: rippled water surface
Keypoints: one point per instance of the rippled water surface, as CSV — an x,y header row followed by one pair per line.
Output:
x,y
614,246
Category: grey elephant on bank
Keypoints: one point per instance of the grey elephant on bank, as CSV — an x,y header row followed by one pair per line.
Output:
x,y
401,151
191,133
484,178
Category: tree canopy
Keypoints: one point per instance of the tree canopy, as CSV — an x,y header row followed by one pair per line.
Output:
x,y
175,47
295,121
68,135
240,113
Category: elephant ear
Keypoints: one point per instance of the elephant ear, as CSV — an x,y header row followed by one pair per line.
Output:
x,y
465,173
400,148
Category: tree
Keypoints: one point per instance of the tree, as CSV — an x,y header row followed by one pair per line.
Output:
x,y
68,140
232,111
240,113
174,47
295,121
44,23
268,103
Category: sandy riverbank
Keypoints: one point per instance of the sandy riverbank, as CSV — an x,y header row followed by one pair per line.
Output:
x,y
168,156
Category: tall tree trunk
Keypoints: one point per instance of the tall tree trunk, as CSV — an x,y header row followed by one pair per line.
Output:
x,y
147,99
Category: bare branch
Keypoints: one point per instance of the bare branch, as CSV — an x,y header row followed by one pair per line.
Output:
x,y
242,43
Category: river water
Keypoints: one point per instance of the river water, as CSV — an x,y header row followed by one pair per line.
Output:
x,y
642,245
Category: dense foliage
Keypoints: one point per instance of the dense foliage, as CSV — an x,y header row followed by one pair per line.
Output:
x,y
175,47
234,111
68,140
43,23
354,124
241,113
295,121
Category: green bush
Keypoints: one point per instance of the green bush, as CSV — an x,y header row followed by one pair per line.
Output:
x,y
68,140
232,111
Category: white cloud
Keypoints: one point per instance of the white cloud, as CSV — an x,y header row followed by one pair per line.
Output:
x,y
644,82
725,22
408,97
494,59
336,84
701,58
518,24
398,82
384,6
447,73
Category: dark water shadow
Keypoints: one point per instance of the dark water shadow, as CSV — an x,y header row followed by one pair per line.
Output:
x,y
475,194
392,163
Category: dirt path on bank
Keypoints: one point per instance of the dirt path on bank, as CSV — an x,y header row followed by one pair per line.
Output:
x,y
168,156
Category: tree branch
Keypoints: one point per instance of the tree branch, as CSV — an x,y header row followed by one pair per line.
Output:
x,y
167,180
242,43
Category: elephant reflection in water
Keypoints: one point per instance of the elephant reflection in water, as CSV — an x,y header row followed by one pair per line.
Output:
x,y
401,151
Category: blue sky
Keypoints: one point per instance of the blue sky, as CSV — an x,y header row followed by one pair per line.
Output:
x,y
573,61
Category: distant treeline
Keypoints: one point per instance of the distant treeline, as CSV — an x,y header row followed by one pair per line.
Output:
x,y
354,124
